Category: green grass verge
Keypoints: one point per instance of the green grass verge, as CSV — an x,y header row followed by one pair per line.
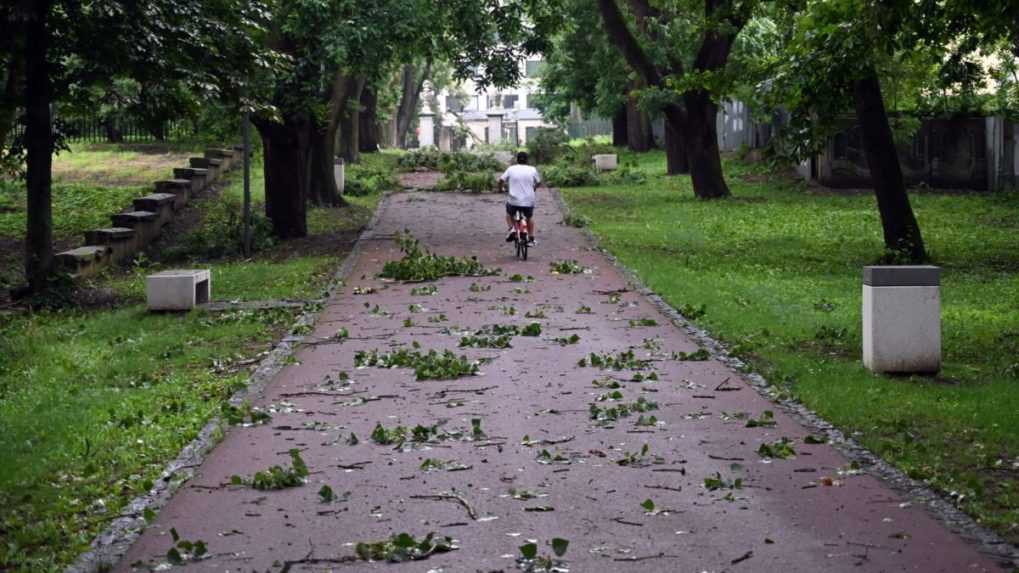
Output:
x,y
94,403
778,270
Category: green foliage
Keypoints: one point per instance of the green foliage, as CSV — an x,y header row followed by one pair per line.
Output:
x,y
418,264
765,420
546,145
448,162
641,322
277,477
567,340
245,414
483,341
427,366
471,182
559,175
567,267
606,416
532,562
221,232
532,329
699,355
623,360
185,551
781,449
404,547
717,482
362,179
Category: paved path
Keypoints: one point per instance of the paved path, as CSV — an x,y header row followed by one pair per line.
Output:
x,y
784,518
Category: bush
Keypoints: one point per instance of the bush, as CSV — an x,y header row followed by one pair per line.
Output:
x,y
626,174
431,159
222,230
366,180
547,144
476,182
568,175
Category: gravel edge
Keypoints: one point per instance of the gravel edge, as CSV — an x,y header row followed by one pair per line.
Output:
x,y
936,504
113,543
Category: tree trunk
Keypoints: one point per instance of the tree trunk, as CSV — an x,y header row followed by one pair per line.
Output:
x,y
702,146
39,137
411,83
322,190
12,96
638,126
675,151
350,125
619,130
901,231
368,131
286,147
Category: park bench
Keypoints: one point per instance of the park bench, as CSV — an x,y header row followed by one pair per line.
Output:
x,y
178,290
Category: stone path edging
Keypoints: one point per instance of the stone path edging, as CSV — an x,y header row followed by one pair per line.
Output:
x,y
110,545
936,505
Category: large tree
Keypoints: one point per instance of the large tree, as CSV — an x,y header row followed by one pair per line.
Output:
x,y
647,37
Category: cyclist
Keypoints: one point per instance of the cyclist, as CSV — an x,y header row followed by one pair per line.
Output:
x,y
520,180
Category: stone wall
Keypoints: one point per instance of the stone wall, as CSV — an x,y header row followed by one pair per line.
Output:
x,y
142,222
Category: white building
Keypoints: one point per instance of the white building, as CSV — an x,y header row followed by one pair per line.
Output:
x,y
467,116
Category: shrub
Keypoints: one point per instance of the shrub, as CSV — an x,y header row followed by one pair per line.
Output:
x,y
431,159
366,180
222,230
626,174
547,144
477,182
566,175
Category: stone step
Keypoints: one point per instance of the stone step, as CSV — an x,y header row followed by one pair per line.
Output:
x,y
215,166
199,177
83,261
122,242
159,203
146,224
180,188
227,156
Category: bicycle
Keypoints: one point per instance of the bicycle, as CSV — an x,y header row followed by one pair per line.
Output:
x,y
520,229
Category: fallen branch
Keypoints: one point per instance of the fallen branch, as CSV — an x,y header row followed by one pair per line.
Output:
x,y
665,487
743,557
725,459
450,497
634,559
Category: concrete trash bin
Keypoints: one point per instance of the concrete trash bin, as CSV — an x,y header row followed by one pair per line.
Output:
x,y
178,290
902,318
605,162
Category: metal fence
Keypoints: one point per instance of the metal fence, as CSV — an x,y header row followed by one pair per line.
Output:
x,y
93,129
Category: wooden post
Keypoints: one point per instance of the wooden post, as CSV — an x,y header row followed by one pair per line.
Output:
x,y
246,135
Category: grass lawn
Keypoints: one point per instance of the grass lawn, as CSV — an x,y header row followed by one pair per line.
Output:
x,y
93,403
777,271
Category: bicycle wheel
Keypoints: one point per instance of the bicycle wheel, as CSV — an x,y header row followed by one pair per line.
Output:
x,y
518,248
523,249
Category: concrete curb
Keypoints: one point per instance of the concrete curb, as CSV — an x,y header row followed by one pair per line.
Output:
x,y
936,505
109,546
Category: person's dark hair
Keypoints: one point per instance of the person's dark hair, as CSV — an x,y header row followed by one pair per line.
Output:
x,y
522,157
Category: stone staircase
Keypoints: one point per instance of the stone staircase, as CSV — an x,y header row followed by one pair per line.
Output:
x,y
134,228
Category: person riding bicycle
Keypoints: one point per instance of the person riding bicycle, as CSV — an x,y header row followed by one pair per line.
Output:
x,y
520,180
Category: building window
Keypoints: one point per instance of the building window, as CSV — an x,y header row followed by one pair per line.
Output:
x,y
454,104
509,101
534,68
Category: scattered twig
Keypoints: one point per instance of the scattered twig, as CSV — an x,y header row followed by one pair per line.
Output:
x,y
665,487
704,396
442,393
450,497
725,458
634,558
625,522
722,387
743,557
353,466
345,560
321,393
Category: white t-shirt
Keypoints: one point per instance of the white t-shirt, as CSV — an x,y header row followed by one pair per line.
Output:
x,y
522,180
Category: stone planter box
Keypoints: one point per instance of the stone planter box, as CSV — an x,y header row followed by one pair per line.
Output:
x,y
146,225
178,290
199,177
159,203
214,166
902,319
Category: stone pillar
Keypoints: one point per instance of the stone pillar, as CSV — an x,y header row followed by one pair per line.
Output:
x,y
340,174
902,318
426,129
494,127
445,138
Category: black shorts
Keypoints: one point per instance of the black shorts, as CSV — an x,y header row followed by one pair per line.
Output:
x,y
512,210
